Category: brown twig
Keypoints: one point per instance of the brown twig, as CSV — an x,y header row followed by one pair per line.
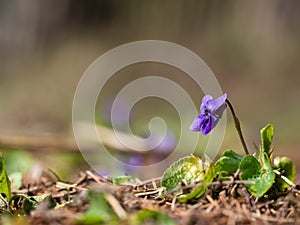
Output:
x,y
38,142
62,143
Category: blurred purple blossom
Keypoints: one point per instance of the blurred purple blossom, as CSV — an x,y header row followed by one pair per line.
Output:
x,y
211,112
122,107
167,144
155,155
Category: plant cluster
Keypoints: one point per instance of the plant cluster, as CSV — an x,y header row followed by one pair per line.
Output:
x,y
263,176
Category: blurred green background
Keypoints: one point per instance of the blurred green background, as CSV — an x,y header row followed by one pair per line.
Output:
x,y
253,48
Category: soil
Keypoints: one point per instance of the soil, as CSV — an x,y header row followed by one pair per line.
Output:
x,y
223,203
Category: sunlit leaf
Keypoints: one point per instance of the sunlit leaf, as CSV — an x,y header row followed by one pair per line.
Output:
x,y
4,181
187,170
262,175
200,189
286,168
266,138
228,163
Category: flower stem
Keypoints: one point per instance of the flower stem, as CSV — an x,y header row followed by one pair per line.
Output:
x,y
238,126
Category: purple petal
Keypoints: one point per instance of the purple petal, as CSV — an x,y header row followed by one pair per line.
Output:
x,y
205,124
196,124
214,121
211,112
219,112
205,101
218,103
209,122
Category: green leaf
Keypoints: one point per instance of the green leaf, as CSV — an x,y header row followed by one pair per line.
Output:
x,y
4,181
262,175
16,180
250,167
198,191
31,202
18,161
228,163
99,210
146,216
45,197
286,168
187,170
29,205
120,179
266,138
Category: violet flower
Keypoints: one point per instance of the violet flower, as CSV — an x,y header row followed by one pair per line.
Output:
x,y
211,112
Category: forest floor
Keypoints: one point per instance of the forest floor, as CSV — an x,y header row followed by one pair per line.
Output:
x,y
138,203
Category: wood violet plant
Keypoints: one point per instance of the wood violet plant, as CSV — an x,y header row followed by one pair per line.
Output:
x,y
263,177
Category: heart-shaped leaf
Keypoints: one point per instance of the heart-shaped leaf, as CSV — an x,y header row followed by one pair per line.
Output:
x,y
187,170
261,174
228,163
200,189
